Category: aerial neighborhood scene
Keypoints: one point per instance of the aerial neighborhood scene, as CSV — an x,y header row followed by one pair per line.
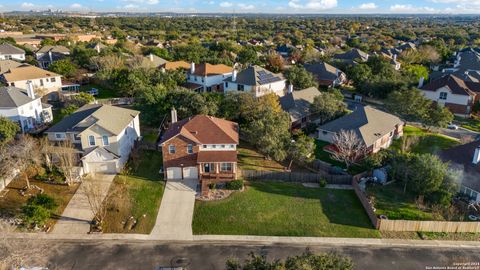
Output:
x,y
279,135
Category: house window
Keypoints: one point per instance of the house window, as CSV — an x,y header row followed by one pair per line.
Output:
x,y
209,167
222,146
195,78
226,85
209,89
91,140
41,82
105,140
171,149
52,79
203,79
226,167
240,87
59,136
190,149
205,146
214,146
443,95
12,84
232,146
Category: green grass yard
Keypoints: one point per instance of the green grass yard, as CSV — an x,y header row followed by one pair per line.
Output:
x,y
142,193
428,142
469,123
284,209
103,93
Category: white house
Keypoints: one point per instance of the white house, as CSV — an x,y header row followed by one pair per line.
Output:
x,y
207,77
105,135
10,52
24,107
256,80
45,83
49,54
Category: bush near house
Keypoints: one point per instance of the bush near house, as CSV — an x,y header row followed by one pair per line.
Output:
x,y
38,209
234,185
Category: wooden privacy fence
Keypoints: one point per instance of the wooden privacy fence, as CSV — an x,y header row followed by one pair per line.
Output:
x,y
428,226
365,202
299,177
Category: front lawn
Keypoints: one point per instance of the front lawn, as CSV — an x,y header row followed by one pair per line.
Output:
x,y
12,202
393,203
429,142
142,193
284,209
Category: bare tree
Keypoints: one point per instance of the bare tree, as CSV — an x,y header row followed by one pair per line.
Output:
x,y
27,155
349,148
97,197
46,150
67,159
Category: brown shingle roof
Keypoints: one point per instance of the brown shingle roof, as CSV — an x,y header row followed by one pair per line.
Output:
x,y
217,156
207,69
455,84
176,65
23,73
204,129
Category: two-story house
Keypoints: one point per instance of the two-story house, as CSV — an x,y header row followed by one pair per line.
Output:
x,y
206,77
256,80
326,75
10,52
104,134
23,107
46,84
450,91
49,54
202,148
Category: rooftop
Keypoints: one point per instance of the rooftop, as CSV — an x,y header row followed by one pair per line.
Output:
x,y
12,97
27,72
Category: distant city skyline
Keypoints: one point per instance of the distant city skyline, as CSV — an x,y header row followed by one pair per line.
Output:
x,y
252,6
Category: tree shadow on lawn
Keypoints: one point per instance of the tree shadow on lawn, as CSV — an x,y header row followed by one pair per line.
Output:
x,y
339,206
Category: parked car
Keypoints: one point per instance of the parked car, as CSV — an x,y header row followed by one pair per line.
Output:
x,y
93,91
452,126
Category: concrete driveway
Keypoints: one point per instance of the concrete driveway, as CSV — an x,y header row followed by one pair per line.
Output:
x,y
174,219
77,215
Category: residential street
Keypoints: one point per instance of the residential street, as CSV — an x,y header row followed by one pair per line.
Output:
x,y
120,254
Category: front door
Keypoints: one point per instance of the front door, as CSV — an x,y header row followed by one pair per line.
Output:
x,y
209,168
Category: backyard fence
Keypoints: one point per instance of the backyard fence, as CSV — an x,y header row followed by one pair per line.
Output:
x,y
362,197
299,177
116,101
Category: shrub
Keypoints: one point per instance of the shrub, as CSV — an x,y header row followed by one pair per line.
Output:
x,y
323,183
234,185
35,214
43,200
212,186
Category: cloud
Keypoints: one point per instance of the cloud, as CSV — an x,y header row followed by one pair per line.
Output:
x,y
368,6
246,7
411,9
226,4
27,5
149,2
76,6
312,4
130,6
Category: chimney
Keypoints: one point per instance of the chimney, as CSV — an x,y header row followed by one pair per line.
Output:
x,y
50,56
395,57
476,156
234,75
30,90
192,68
420,82
151,57
174,115
290,88
97,47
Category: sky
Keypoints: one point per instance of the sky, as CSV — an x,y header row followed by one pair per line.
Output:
x,y
254,6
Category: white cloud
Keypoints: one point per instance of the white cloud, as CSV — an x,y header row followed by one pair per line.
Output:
x,y
130,6
76,6
368,6
411,9
149,2
226,4
246,7
312,4
27,5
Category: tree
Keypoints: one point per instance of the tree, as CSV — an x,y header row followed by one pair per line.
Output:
x,y
64,67
302,150
416,71
248,56
410,104
67,159
429,175
300,77
27,156
327,106
437,116
275,62
8,130
348,147
97,198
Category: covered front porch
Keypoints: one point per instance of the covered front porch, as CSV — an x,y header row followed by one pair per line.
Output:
x,y
216,172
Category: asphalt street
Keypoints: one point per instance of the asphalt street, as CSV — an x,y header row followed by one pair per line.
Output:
x,y
115,254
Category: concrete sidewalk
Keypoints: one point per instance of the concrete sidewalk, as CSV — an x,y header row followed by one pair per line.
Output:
x,y
174,218
77,215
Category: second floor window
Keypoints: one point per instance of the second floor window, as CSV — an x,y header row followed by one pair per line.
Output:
x,y
226,167
52,79
190,149
91,140
443,95
171,149
59,136
240,87
105,140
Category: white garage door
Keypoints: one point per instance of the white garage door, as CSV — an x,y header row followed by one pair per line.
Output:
x,y
174,173
190,173
102,167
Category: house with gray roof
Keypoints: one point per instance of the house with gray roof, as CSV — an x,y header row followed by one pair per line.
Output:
x,y
49,54
375,128
297,105
326,74
10,52
104,134
24,108
256,80
352,57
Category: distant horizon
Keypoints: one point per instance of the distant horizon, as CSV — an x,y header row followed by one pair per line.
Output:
x,y
283,7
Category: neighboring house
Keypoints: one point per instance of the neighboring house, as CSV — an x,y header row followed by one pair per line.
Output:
x,y
46,83
104,134
49,54
23,107
450,91
466,159
6,65
201,147
207,77
256,80
98,46
153,61
375,128
326,75
351,57
297,104
10,52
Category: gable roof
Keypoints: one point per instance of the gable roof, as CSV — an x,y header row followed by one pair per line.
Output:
x,y
6,65
206,69
469,59
111,118
13,97
255,75
53,49
152,60
353,54
461,157
27,72
455,84
368,123
203,129
323,71
6,48
176,65
297,103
